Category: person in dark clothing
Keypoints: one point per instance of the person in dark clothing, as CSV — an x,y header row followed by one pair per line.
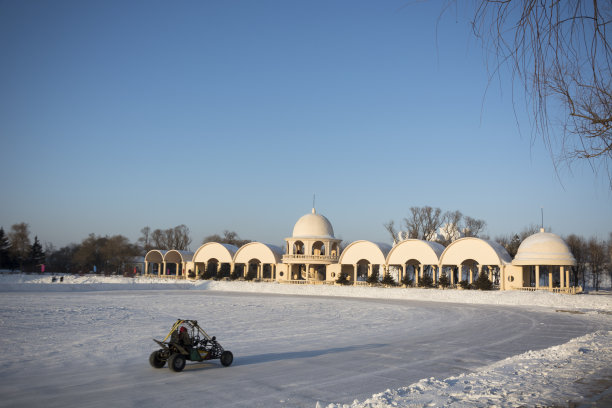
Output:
x,y
184,338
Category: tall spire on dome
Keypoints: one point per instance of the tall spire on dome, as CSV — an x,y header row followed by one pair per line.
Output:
x,y
313,204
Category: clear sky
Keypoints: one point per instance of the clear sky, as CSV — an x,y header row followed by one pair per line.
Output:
x,y
115,115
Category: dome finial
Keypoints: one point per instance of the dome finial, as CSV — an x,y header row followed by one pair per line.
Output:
x,y
313,204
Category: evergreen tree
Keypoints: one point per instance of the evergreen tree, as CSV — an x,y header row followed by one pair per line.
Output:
x,y
465,284
209,273
483,282
426,282
36,254
374,277
407,281
343,279
4,250
388,280
251,275
444,281
222,271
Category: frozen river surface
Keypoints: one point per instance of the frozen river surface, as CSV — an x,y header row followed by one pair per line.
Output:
x,y
90,349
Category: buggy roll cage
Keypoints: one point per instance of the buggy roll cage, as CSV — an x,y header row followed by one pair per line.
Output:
x,y
196,330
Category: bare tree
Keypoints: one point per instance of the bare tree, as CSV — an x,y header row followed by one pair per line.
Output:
x,y
425,222
229,237
597,257
473,227
578,248
390,227
19,238
513,241
451,228
172,238
145,239
179,237
560,52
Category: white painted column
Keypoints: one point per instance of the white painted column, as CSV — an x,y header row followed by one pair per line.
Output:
x,y
537,276
561,277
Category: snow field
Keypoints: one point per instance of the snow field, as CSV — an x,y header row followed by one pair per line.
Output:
x,y
510,298
85,342
559,375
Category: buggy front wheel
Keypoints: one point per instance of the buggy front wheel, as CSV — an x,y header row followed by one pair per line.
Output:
x,y
155,360
227,358
176,362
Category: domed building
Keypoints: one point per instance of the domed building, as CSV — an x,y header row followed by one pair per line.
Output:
x,y
542,261
310,249
312,255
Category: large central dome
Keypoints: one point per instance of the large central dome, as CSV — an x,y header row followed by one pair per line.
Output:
x,y
313,226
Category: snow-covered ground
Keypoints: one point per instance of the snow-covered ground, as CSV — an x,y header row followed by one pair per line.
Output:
x,y
86,341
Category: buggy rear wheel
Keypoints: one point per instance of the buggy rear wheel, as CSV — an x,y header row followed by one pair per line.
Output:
x,y
176,362
155,360
227,358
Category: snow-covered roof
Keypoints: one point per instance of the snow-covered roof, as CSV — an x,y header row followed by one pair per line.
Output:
x,y
265,253
425,252
373,252
313,225
544,248
223,253
155,255
178,256
483,251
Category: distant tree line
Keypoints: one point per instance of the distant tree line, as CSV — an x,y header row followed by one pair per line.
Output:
x,y
116,254
103,254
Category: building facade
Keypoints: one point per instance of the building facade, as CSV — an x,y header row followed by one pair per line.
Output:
x,y
313,255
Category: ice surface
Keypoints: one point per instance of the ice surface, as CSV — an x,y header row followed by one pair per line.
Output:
x,y
85,342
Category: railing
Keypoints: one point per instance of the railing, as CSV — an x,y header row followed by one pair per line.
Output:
x,y
304,282
571,290
301,257
152,275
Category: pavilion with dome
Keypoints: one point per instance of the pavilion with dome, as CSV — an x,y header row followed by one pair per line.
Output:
x,y
313,255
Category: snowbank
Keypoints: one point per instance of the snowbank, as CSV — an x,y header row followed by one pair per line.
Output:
x,y
583,302
560,374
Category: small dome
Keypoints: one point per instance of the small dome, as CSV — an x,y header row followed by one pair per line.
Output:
x,y
313,226
544,248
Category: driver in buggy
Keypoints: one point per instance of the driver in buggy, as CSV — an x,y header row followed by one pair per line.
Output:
x,y
183,338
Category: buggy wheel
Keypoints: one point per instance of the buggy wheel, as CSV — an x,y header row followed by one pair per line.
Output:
x,y
155,360
226,358
176,362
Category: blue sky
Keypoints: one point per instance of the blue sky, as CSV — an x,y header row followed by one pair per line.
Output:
x,y
117,115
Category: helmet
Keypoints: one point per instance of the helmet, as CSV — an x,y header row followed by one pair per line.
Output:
x,y
182,329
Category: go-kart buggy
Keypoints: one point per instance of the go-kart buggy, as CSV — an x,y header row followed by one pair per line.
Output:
x,y
188,341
